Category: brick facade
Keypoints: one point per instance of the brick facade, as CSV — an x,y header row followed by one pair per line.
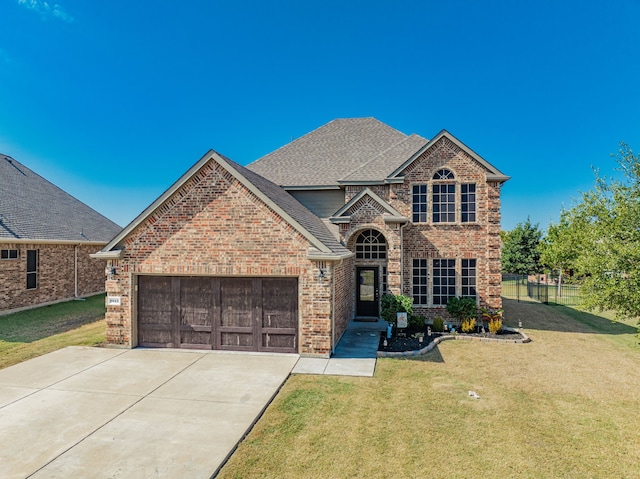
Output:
x,y
214,226
478,240
56,274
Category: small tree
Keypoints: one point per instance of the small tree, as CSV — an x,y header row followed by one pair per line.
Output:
x,y
520,250
609,259
560,249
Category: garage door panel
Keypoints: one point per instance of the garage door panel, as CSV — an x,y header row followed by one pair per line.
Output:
x,y
246,314
196,312
155,312
193,339
155,336
237,341
278,341
196,301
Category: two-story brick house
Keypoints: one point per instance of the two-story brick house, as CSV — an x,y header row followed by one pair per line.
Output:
x,y
280,255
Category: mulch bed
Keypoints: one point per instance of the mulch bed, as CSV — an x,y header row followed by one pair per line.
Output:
x,y
398,343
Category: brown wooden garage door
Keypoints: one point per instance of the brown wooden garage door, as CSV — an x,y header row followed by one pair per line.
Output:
x,y
240,314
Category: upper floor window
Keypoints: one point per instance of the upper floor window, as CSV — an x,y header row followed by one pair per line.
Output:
x,y
441,199
8,254
443,206
468,203
371,244
419,203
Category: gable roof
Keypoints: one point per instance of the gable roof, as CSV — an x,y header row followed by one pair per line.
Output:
x,y
390,215
324,244
32,208
350,148
493,173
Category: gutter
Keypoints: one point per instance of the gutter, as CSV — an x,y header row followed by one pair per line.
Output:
x,y
51,241
112,254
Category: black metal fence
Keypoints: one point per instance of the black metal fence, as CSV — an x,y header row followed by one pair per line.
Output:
x,y
540,289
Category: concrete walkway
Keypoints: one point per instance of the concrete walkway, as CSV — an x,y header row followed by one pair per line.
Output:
x,y
355,354
112,413
116,413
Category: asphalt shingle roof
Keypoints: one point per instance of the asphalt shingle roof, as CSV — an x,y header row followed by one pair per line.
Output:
x,y
292,207
34,208
358,149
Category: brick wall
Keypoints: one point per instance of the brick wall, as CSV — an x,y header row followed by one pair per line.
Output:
x,y
479,240
344,295
56,275
214,226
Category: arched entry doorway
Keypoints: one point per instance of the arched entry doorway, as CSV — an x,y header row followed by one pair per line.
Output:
x,y
371,271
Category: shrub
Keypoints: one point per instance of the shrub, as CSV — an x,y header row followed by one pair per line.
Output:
x,y
468,325
495,326
417,321
438,324
493,319
391,304
462,308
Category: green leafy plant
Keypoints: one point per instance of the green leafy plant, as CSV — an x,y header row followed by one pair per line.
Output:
x,y
438,324
391,304
462,308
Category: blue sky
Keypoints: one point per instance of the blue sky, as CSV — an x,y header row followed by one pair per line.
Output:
x,y
114,100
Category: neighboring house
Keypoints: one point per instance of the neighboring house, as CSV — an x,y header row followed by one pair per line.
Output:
x,y
280,255
46,236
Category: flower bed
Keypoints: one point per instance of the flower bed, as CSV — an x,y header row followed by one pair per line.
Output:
x,y
407,343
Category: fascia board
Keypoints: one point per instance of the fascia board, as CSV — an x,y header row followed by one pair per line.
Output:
x,y
494,173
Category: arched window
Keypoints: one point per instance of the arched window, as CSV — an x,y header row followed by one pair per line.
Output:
x,y
443,174
443,197
371,244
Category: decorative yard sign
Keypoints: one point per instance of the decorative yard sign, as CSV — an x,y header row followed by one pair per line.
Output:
x,y
114,301
402,320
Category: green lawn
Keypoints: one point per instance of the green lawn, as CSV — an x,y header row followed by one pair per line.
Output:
x,y
31,333
564,405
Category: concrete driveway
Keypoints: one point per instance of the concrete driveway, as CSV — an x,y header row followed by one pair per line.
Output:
x,y
92,412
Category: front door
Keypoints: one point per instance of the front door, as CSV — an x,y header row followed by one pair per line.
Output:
x,y
367,300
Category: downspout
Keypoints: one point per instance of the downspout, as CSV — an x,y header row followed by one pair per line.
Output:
x,y
75,272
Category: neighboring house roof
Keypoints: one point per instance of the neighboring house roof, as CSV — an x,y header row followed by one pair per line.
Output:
x,y
324,244
351,147
32,208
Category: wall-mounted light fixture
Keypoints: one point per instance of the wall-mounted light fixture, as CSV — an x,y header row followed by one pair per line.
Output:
x,y
322,269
